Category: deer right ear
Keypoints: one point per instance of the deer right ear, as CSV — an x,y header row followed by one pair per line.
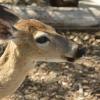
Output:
x,y
7,30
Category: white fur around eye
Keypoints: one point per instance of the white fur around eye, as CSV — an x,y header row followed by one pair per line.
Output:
x,y
40,34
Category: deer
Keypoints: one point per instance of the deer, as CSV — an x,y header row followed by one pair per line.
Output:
x,y
25,42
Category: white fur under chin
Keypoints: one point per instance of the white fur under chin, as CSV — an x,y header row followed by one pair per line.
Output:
x,y
51,60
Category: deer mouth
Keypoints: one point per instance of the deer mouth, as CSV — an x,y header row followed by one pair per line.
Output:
x,y
69,59
81,51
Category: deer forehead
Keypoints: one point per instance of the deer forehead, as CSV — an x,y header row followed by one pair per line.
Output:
x,y
32,24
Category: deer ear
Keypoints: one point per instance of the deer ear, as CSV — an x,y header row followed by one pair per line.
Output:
x,y
25,25
6,30
7,21
8,15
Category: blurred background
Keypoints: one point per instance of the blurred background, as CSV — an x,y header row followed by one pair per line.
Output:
x,y
79,21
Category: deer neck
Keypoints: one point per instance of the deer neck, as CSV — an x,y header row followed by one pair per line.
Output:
x,y
14,66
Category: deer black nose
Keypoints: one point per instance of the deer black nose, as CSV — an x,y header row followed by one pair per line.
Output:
x,y
81,51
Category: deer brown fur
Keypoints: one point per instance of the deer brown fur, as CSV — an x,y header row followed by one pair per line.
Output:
x,y
25,43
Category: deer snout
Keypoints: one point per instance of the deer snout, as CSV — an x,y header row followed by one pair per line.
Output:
x,y
75,52
71,55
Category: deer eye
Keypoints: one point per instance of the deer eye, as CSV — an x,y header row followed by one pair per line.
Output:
x,y
42,39
2,49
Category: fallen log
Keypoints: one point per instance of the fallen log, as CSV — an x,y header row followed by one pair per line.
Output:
x,y
61,18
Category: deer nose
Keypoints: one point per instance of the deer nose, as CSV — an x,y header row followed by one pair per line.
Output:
x,y
76,52
73,50
81,51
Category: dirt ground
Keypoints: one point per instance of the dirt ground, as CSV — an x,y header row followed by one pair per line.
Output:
x,y
79,80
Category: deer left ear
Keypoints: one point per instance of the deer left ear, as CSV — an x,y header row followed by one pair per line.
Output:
x,y
6,30
7,20
7,15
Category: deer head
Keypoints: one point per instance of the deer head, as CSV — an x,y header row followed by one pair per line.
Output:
x,y
25,42
45,43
